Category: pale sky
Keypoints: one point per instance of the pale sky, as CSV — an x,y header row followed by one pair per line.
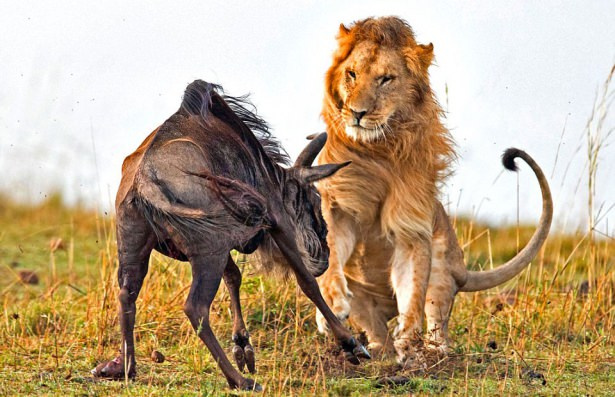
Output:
x,y
83,83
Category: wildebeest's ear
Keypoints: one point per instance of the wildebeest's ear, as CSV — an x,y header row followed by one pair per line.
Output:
x,y
313,174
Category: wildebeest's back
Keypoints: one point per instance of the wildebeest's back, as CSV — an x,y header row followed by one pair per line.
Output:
x,y
130,167
183,153
203,172
196,182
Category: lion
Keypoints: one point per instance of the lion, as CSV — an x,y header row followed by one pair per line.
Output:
x,y
393,248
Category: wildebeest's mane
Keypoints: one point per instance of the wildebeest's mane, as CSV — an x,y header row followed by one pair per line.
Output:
x,y
201,98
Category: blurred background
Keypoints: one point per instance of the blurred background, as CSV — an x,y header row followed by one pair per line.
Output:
x,y
83,83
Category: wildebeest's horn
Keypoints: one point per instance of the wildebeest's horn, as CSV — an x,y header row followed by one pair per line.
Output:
x,y
318,172
307,156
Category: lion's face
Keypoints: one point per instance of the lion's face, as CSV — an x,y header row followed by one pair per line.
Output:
x,y
376,86
372,88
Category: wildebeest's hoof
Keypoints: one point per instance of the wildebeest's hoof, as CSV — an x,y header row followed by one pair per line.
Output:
x,y
113,369
250,385
243,352
353,351
244,357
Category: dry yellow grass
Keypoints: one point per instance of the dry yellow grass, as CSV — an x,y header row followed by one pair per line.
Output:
x,y
553,323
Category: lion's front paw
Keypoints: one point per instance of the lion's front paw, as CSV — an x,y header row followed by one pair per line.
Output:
x,y
440,346
381,350
410,353
340,306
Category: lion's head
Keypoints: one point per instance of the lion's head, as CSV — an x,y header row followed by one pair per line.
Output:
x,y
378,79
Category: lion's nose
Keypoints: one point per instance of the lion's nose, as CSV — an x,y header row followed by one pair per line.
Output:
x,y
358,115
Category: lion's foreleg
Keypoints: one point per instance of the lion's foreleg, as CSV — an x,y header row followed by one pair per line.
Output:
x,y
409,277
333,285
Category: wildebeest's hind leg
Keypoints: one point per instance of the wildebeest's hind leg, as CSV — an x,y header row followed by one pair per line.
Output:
x,y
135,243
243,350
207,271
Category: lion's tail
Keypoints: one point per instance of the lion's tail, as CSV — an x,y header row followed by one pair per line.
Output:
x,y
481,280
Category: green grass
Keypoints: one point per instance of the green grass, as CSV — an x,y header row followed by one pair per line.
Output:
x,y
53,333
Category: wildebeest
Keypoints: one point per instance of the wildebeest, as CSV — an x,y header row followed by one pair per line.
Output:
x,y
209,180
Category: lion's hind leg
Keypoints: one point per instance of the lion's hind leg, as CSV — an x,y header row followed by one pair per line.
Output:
x,y
438,307
410,271
440,297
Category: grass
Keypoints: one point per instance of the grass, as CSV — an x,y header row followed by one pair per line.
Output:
x,y
548,332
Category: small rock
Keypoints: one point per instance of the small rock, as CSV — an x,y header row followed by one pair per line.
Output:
x,y
531,375
157,357
28,276
55,244
584,289
498,308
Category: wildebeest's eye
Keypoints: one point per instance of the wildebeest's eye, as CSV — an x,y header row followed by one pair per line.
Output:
x,y
351,74
386,79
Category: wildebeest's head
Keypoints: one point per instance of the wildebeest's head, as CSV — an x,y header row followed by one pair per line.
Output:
x,y
302,205
303,202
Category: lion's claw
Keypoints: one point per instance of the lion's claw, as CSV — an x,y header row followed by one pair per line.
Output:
x,y
410,353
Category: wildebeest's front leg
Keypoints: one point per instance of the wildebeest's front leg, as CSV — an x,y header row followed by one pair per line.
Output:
x,y
243,350
207,272
333,284
284,237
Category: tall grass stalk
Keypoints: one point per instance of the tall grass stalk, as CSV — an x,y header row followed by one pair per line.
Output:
x,y
597,139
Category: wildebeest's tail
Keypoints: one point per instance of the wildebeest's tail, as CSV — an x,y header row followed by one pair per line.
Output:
x,y
240,206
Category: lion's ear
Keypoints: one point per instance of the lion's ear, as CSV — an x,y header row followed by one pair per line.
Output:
x,y
343,31
425,54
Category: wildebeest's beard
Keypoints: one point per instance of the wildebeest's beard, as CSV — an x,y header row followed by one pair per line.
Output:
x,y
311,227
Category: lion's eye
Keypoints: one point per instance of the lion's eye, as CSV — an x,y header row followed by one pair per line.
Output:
x,y
352,74
385,79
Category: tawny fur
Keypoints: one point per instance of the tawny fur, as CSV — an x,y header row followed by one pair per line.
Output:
x,y
393,249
